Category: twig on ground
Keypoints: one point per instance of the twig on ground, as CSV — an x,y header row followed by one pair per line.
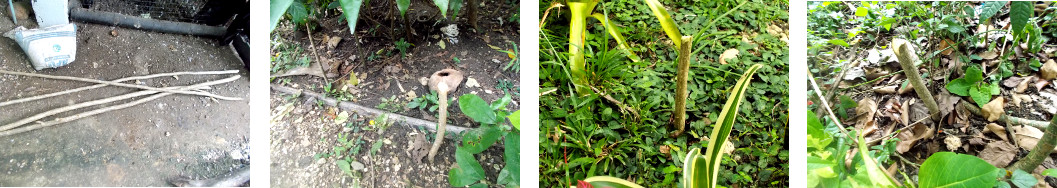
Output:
x,y
825,104
1007,118
6,128
120,84
38,97
616,102
312,44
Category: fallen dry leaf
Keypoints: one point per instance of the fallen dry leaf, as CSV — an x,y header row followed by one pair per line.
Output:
x,y
1027,137
1020,98
472,83
333,42
999,153
988,55
908,138
1049,70
730,53
1023,85
866,111
946,43
994,109
998,130
1041,83
885,90
947,102
908,88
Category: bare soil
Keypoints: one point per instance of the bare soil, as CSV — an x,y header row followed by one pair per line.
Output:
x,y
143,145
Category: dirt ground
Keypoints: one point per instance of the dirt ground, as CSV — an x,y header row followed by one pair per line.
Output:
x,y
308,129
304,132
143,145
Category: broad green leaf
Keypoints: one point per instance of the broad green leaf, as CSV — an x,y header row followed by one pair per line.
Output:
x,y
298,12
468,172
861,12
515,119
477,140
989,8
455,6
501,103
511,173
1003,184
973,74
838,42
479,185
667,23
816,133
402,5
344,166
1019,13
351,9
610,182
959,87
954,28
877,176
1022,179
614,31
723,126
443,6
277,9
477,109
887,23
981,94
1035,64
948,169
1050,172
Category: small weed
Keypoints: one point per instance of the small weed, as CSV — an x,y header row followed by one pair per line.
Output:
x,y
514,64
507,87
288,56
425,101
402,46
455,59
391,104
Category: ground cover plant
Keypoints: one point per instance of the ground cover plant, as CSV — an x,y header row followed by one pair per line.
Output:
x,y
382,55
930,94
608,101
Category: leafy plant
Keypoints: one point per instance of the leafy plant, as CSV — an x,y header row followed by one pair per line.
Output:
x,y
391,104
424,102
581,10
490,116
702,170
514,63
973,85
402,46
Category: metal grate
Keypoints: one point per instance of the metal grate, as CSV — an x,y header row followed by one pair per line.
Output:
x,y
208,12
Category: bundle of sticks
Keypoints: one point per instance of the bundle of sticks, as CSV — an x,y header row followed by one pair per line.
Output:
x,y
151,93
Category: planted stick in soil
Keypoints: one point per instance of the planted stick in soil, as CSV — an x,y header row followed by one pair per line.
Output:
x,y
443,81
906,60
680,88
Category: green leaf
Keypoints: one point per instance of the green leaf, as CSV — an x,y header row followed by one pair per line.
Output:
x,y
455,6
345,167
959,87
277,9
477,109
887,22
298,12
468,172
610,182
954,28
501,103
515,119
973,74
511,173
981,94
351,9
1019,12
1003,184
989,8
1035,64
948,169
724,125
479,185
817,136
877,176
1050,172
667,23
402,5
1022,179
861,11
477,140
838,42
443,6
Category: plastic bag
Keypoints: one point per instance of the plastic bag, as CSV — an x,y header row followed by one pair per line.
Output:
x,y
48,47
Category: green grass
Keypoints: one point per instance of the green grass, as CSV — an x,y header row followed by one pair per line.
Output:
x,y
584,136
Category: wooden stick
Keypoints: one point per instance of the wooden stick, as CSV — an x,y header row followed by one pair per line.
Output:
x,y
118,80
81,115
120,84
108,100
825,104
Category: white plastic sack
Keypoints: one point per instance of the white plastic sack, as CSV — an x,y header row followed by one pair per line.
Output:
x,y
49,47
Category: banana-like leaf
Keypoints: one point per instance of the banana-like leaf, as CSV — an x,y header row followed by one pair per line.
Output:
x,y
608,181
878,176
402,5
455,6
615,32
667,23
278,8
577,27
352,12
443,6
721,131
